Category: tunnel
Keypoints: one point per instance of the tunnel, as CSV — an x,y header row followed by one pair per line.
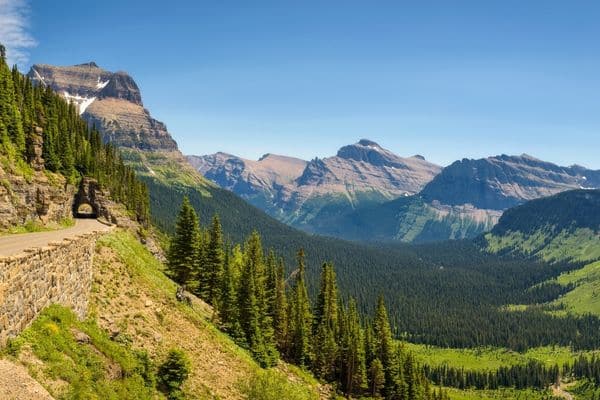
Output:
x,y
85,201
85,210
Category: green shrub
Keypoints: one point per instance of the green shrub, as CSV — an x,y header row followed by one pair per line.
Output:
x,y
172,373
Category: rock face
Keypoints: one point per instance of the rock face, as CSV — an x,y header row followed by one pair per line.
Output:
x,y
110,101
296,191
33,200
367,167
247,177
497,183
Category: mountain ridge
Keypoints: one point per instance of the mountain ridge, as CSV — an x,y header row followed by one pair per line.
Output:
x,y
359,174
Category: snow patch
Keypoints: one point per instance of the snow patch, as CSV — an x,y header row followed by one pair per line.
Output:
x,y
41,78
101,85
81,102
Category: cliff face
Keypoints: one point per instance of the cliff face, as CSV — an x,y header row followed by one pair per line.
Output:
x,y
110,101
37,199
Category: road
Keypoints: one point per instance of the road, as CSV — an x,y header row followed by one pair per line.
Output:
x,y
15,244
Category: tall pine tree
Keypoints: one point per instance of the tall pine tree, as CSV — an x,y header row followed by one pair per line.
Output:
x,y
183,251
300,317
326,325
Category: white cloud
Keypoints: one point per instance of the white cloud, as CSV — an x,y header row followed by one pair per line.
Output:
x,y
14,31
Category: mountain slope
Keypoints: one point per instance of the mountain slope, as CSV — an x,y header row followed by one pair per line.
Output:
x,y
541,227
564,228
464,200
113,103
301,193
501,182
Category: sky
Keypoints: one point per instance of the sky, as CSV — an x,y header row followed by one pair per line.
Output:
x,y
447,80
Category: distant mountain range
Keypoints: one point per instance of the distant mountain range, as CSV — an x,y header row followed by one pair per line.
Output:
x,y
368,193
302,193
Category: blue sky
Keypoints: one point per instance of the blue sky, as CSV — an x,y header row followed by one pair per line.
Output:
x,y
443,79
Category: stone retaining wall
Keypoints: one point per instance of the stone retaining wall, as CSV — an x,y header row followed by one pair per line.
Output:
x,y
58,273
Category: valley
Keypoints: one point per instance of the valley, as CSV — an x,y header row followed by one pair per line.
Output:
x,y
362,275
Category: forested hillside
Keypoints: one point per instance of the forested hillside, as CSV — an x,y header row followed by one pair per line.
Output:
x,y
272,315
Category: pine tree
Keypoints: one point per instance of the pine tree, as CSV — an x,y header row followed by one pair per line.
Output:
x,y
228,312
376,378
353,366
183,252
325,325
384,345
210,279
300,318
280,308
255,323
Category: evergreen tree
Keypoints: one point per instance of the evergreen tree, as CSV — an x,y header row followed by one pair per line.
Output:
x,y
183,251
255,324
376,378
280,308
228,312
210,279
353,364
325,325
384,345
300,317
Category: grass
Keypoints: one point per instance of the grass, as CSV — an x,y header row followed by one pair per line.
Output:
x,y
501,394
100,369
585,297
581,245
490,358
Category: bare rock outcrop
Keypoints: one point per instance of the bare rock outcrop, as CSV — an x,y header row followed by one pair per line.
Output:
x,y
38,199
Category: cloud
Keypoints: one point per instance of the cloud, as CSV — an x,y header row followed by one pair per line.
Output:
x,y
14,31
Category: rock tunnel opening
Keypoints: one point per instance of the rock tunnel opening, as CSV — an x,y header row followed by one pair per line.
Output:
x,y
85,210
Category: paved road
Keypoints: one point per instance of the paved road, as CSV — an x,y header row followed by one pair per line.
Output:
x,y
15,244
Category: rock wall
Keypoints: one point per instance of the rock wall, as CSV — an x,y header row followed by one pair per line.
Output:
x,y
59,273
42,199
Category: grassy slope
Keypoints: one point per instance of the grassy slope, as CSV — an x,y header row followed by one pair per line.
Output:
x,y
134,302
505,394
580,245
490,358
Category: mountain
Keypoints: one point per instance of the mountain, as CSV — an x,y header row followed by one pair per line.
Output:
x,y
111,101
571,210
466,199
501,182
300,193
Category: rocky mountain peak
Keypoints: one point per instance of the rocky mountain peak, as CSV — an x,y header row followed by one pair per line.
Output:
x,y
368,143
112,101
122,86
90,64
